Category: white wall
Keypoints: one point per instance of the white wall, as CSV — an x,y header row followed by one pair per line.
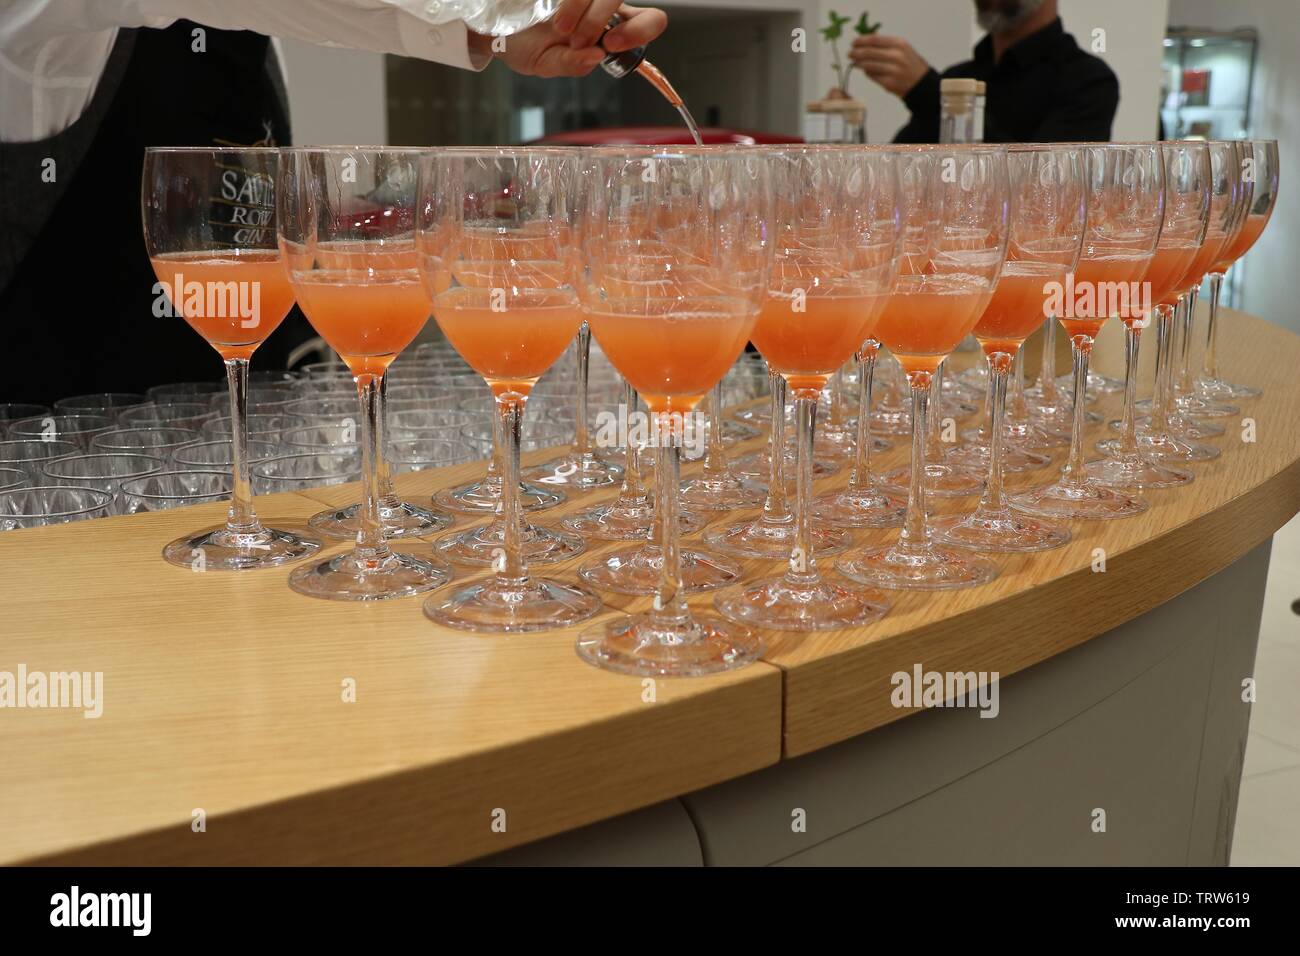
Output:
x,y
1275,114
1133,31
336,96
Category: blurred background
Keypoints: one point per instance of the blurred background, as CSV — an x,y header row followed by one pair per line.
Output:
x,y
1207,68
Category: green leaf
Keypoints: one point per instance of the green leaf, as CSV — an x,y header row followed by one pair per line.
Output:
x,y
864,26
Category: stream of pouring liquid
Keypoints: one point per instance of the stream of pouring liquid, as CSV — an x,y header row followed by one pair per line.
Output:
x,y
660,83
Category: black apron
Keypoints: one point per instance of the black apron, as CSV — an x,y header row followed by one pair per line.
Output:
x,y
76,311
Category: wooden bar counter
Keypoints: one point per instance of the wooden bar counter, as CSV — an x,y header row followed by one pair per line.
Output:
x,y
244,724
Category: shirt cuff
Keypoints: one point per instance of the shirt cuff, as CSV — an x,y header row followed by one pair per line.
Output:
x,y
443,43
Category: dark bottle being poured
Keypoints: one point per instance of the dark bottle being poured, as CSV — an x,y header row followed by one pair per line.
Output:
x,y
620,65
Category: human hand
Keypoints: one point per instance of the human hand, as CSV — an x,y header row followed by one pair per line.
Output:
x,y
565,45
890,61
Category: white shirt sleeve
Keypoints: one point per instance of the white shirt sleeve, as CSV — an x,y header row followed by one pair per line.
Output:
x,y
52,52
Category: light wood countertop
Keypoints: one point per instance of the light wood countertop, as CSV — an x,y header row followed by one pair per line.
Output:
x,y
224,692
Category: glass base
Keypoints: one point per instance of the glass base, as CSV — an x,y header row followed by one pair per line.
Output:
x,y
1167,447
482,546
636,571
1134,471
702,645
1085,500
889,421
498,606
1180,426
403,520
624,522
1096,383
1217,389
721,494
219,549
773,540
759,465
784,605
734,432
998,531
578,472
862,508
1195,406
927,567
482,498
348,577
1015,459
941,480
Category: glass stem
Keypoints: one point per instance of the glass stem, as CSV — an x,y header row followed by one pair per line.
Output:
x,y
1019,405
1128,433
860,479
241,519
934,451
581,433
509,564
1047,374
803,570
776,508
371,546
669,610
387,492
1185,343
1072,473
631,492
1211,363
494,469
1166,316
914,531
999,365
715,459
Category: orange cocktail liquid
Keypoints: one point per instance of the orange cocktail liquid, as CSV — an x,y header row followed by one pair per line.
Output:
x,y
509,336
672,358
1244,239
368,321
1099,274
1168,266
1205,257
926,316
807,339
214,284
1017,305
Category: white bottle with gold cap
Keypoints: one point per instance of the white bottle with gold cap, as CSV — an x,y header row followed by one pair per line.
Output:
x,y
957,110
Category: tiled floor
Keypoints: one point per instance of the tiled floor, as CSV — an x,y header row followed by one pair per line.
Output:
x,y
1268,808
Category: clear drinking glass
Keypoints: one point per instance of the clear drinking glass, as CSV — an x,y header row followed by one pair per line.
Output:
x,y
1126,187
51,504
498,255
105,472
346,226
216,260
1048,204
677,249
320,469
1259,179
954,215
174,489
1192,203
836,237
28,454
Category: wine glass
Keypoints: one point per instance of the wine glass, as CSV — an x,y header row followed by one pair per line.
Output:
x,y
347,233
954,215
498,257
1048,209
1259,179
1126,187
210,231
677,246
1189,202
836,246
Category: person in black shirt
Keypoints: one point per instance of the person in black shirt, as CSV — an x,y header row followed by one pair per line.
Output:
x,y
1041,87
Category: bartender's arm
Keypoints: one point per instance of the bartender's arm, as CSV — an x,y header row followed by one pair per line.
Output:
x,y
54,50
892,63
